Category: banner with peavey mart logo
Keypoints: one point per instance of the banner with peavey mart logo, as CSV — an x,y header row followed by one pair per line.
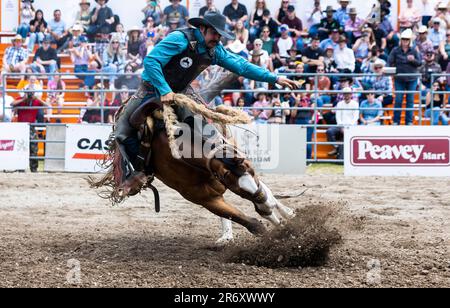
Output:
x,y
14,146
86,146
397,151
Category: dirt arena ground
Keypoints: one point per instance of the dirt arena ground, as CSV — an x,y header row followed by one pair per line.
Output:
x,y
51,223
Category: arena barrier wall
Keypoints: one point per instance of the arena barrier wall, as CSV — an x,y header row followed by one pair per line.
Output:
x,y
272,149
397,151
14,146
86,145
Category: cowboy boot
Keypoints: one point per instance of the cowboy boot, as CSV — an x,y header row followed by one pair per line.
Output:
x,y
133,164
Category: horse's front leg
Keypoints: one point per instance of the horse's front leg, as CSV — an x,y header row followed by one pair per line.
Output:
x,y
264,200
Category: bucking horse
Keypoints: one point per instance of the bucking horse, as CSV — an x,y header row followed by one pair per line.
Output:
x,y
203,180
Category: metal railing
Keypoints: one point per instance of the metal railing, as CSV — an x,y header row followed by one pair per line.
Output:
x,y
315,110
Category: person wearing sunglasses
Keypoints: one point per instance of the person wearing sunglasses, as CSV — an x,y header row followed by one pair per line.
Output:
x,y
114,60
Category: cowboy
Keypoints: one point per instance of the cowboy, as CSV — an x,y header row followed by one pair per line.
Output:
x,y
16,57
171,66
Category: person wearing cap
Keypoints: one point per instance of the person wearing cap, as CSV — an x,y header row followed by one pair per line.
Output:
x,y
344,56
235,12
422,43
15,57
270,23
341,14
371,109
354,26
102,19
407,60
347,114
294,23
282,45
175,11
332,41
328,24
410,16
381,83
436,34
313,55
45,59
170,68
83,16
429,67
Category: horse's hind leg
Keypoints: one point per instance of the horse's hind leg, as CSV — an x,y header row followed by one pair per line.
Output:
x,y
225,210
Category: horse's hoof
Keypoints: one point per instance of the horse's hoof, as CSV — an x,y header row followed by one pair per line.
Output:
x,y
224,241
257,228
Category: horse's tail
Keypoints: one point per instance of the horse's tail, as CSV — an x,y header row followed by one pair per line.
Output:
x,y
111,181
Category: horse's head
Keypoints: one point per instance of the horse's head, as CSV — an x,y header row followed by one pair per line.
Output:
x,y
238,175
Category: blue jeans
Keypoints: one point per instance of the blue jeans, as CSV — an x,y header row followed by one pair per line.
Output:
x,y
322,100
48,69
437,116
35,37
88,81
309,134
113,70
401,85
23,30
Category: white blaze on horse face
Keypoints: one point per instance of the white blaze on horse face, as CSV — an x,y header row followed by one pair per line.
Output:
x,y
247,183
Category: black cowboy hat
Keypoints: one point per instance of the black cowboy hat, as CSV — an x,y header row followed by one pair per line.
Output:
x,y
215,20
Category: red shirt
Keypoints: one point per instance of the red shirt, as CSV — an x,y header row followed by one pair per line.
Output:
x,y
295,23
28,115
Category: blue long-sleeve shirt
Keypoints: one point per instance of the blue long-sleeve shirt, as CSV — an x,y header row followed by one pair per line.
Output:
x,y
176,42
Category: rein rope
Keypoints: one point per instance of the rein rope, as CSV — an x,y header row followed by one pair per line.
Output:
x,y
221,115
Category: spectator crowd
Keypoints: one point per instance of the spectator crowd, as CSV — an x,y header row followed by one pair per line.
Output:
x,y
336,39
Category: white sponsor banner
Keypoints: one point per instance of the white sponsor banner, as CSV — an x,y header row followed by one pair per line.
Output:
x,y
397,151
277,149
14,146
86,146
9,9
